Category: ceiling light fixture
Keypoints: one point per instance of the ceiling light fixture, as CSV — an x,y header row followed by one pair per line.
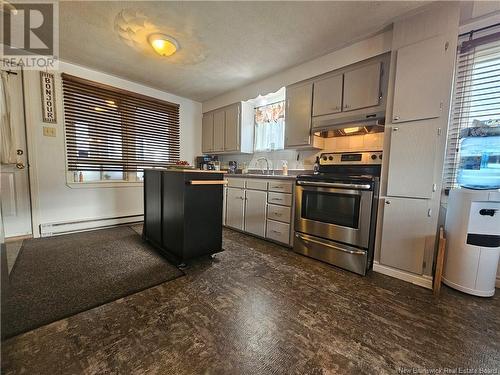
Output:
x,y
163,45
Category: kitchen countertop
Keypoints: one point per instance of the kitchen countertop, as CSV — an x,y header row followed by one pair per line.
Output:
x,y
187,170
259,175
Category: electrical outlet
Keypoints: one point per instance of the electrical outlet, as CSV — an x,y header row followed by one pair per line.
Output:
x,y
49,132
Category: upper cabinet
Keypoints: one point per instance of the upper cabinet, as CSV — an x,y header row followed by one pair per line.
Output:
x,y
232,129
228,130
298,115
328,95
411,160
207,132
353,93
418,89
219,129
362,87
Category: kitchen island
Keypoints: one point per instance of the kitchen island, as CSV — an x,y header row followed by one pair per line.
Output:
x,y
183,212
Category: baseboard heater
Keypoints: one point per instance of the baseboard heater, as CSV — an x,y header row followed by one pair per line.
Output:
x,y
54,229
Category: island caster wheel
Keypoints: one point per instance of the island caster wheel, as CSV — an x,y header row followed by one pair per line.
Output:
x,y
212,256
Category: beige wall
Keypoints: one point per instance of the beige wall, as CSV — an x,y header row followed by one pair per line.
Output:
x,y
55,201
351,54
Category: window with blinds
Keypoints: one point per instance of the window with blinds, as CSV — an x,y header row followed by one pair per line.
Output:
x,y
110,131
476,100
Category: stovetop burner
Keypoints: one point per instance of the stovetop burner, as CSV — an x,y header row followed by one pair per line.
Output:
x,y
347,167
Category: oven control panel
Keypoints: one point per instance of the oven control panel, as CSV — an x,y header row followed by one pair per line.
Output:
x,y
351,158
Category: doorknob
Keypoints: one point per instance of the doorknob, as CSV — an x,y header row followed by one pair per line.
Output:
x,y
20,166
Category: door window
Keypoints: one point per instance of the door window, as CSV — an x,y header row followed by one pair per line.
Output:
x,y
332,208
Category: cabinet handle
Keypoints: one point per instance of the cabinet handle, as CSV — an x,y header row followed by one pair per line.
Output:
x,y
275,231
396,118
276,199
429,212
387,202
277,214
395,129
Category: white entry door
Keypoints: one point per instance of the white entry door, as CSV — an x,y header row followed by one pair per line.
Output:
x,y
15,200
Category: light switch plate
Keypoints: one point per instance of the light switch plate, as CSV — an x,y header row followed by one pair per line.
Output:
x,y
49,132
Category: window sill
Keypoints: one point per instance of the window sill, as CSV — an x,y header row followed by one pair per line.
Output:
x,y
104,184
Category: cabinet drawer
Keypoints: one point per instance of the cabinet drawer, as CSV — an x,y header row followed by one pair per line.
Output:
x,y
280,186
279,213
278,231
280,198
256,184
236,182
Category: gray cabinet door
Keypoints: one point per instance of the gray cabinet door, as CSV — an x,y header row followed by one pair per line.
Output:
x,y
406,224
235,208
298,115
224,205
362,87
232,128
219,125
418,88
207,133
327,96
411,161
255,212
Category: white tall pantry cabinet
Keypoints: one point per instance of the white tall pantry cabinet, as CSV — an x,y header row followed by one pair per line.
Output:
x,y
420,84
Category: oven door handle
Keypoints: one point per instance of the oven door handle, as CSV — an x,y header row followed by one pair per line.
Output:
x,y
357,252
335,185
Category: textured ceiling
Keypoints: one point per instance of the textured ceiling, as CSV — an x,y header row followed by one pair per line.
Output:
x,y
224,45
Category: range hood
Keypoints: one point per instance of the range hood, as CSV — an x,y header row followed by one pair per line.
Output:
x,y
351,128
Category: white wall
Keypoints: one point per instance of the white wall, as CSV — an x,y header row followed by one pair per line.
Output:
x,y
304,159
54,200
359,51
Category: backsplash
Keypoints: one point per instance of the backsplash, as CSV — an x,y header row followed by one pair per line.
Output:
x,y
304,159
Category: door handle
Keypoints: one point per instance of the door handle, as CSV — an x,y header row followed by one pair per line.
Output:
x,y
487,212
20,165
357,252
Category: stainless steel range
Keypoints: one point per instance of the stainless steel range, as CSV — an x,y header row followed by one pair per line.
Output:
x,y
336,210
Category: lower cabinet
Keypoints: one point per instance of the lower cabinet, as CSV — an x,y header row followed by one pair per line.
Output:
x,y
255,212
235,208
254,206
406,225
278,231
224,205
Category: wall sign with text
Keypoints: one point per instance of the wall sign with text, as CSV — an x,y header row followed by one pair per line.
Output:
x,y
47,82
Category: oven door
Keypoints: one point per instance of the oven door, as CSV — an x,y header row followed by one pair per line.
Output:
x,y
334,211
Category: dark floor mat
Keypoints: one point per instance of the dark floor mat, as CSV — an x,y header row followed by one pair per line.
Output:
x,y
60,276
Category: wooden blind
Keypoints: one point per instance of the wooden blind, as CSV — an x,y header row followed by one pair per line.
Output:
x,y
476,99
110,129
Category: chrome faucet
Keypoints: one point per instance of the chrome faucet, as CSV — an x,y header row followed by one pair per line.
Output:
x,y
267,164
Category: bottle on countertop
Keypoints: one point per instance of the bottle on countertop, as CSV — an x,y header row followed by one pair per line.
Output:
x,y
316,166
285,168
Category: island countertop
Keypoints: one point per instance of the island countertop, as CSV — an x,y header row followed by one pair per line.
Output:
x,y
179,170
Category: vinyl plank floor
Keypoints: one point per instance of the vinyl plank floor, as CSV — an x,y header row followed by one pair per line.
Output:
x,y
258,308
